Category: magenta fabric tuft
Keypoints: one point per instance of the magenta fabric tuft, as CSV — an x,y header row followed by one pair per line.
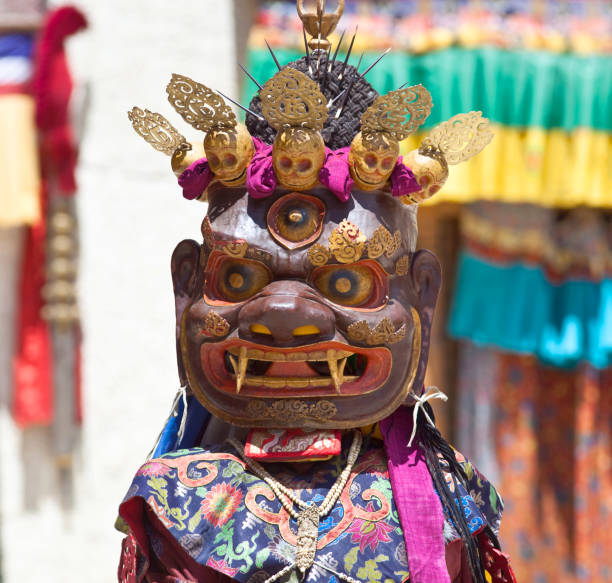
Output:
x,y
418,505
261,180
335,173
403,180
195,179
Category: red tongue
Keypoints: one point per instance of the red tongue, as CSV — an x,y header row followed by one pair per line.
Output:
x,y
290,369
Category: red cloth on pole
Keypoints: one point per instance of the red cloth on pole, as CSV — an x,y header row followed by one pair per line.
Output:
x,y
52,87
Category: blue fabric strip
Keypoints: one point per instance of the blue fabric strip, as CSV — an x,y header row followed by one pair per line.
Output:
x,y
16,45
515,308
197,420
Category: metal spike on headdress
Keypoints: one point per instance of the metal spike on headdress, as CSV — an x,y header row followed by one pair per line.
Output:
x,y
375,63
245,71
307,50
245,109
273,55
331,63
348,54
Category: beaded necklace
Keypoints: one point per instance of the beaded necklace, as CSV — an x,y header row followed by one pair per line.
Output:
x,y
309,516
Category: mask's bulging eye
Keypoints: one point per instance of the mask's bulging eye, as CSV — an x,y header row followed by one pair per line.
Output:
x,y
357,285
295,220
236,280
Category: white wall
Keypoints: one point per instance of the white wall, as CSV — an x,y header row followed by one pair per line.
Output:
x,y
131,216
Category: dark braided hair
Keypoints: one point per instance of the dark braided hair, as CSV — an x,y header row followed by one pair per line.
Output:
x,y
434,447
337,132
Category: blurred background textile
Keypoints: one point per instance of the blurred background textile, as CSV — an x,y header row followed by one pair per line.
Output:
x,y
523,336
524,233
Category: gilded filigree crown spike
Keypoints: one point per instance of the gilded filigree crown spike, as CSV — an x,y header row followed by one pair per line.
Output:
x,y
156,130
459,138
228,144
391,118
198,105
453,141
318,23
293,104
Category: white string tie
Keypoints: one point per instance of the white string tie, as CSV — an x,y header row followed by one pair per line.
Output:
x,y
181,430
430,393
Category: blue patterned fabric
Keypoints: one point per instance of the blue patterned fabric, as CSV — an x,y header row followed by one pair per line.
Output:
x,y
228,519
515,308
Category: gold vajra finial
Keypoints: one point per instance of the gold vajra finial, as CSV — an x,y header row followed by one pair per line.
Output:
x,y
318,23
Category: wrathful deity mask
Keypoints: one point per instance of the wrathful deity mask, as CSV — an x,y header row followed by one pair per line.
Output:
x,y
306,306
328,335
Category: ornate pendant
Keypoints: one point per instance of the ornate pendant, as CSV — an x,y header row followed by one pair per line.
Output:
x,y
308,530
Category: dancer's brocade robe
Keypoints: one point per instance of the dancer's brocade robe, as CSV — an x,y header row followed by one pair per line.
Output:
x,y
202,515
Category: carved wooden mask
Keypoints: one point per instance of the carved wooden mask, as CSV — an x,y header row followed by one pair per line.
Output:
x,y
302,311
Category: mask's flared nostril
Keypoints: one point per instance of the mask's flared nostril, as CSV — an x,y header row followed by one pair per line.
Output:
x,y
309,330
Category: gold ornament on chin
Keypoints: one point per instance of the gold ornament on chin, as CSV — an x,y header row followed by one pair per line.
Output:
x,y
228,145
391,118
156,130
295,107
453,141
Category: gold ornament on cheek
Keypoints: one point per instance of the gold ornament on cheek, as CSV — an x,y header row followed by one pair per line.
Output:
x,y
383,333
216,325
402,267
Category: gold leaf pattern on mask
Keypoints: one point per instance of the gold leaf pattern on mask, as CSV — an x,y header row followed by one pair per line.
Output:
x,y
318,255
215,324
289,411
394,244
403,265
347,243
236,248
383,333
382,241
207,233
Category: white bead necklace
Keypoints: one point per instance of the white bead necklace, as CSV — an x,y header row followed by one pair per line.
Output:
x,y
308,518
